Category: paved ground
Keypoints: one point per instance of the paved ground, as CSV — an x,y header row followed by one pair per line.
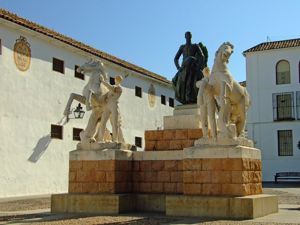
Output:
x,y
37,211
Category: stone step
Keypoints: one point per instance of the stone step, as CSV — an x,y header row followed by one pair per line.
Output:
x,y
173,139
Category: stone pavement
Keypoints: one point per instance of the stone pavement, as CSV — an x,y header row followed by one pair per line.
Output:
x,y
37,211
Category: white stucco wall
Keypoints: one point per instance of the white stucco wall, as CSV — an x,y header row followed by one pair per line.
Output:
x,y
31,162
261,84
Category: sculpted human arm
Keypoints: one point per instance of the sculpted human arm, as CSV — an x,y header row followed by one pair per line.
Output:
x,y
201,55
177,56
109,86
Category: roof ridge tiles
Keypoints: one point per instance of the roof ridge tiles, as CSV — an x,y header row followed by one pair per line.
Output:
x,y
12,17
295,42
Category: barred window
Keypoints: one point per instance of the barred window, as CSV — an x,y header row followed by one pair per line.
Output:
x,y
285,142
58,65
283,106
56,131
112,80
138,91
76,134
163,99
78,75
171,102
283,72
138,142
298,104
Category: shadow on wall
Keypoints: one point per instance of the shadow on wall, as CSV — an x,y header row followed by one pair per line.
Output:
x,y
43,143
40,148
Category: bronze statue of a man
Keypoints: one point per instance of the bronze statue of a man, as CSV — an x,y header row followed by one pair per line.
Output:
x,y
189,72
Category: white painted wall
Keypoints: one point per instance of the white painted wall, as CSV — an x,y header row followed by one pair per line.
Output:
x,y
261,84
31,162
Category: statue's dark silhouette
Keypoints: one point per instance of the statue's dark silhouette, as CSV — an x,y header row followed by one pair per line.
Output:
x,y
189,72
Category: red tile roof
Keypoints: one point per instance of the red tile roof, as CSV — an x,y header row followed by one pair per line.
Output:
x,y
67,40
274,45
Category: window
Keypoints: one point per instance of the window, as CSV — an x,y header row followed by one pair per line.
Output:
x,y
56,131
138,142
76,134
138,91
163,99
171,102
285,142
112,80
298,104
78,75
58,65
283,106
283,72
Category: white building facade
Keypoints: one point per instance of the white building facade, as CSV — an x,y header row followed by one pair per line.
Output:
x,y
273,81
37,77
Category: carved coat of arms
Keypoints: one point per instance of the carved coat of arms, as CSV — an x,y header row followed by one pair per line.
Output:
x,y
22,54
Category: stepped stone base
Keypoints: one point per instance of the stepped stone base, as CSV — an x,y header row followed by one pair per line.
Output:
x,y
169,140
248,207
184,117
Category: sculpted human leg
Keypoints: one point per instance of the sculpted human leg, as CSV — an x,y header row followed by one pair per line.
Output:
x,y
102,125
90,130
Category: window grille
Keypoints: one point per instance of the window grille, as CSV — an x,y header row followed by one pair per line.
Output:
x,y
171,102
58,65
283,106
163,99
285,142
138,142
138,91
78,75
56,131
283,72
76,134
298,104
112,80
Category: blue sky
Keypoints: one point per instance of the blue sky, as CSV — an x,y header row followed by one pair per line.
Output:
x,y
149,33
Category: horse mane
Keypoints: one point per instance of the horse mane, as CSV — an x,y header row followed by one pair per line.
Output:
x,y
222,46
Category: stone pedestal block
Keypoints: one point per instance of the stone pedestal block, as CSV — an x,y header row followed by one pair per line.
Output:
x,y
248,207
184,117
91,203
100,171
169,140
222,171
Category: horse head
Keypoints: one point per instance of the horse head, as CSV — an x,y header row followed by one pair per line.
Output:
x,y
224,52
92,66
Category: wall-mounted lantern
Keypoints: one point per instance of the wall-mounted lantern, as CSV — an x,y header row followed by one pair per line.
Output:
x,y
78,112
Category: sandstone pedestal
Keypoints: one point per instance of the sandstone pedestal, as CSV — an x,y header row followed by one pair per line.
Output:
x,y
185,117
203,180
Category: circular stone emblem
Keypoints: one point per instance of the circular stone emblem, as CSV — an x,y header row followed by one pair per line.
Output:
x,y
22,54
151,96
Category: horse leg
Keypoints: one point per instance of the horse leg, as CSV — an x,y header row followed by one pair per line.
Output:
x,y
211,108
225,110
241,122
203,119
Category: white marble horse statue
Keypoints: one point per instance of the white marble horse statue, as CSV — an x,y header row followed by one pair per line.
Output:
x,y
93,96
220,88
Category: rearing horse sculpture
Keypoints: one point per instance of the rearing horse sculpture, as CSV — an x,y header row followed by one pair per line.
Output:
x,y
232,98
93,97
